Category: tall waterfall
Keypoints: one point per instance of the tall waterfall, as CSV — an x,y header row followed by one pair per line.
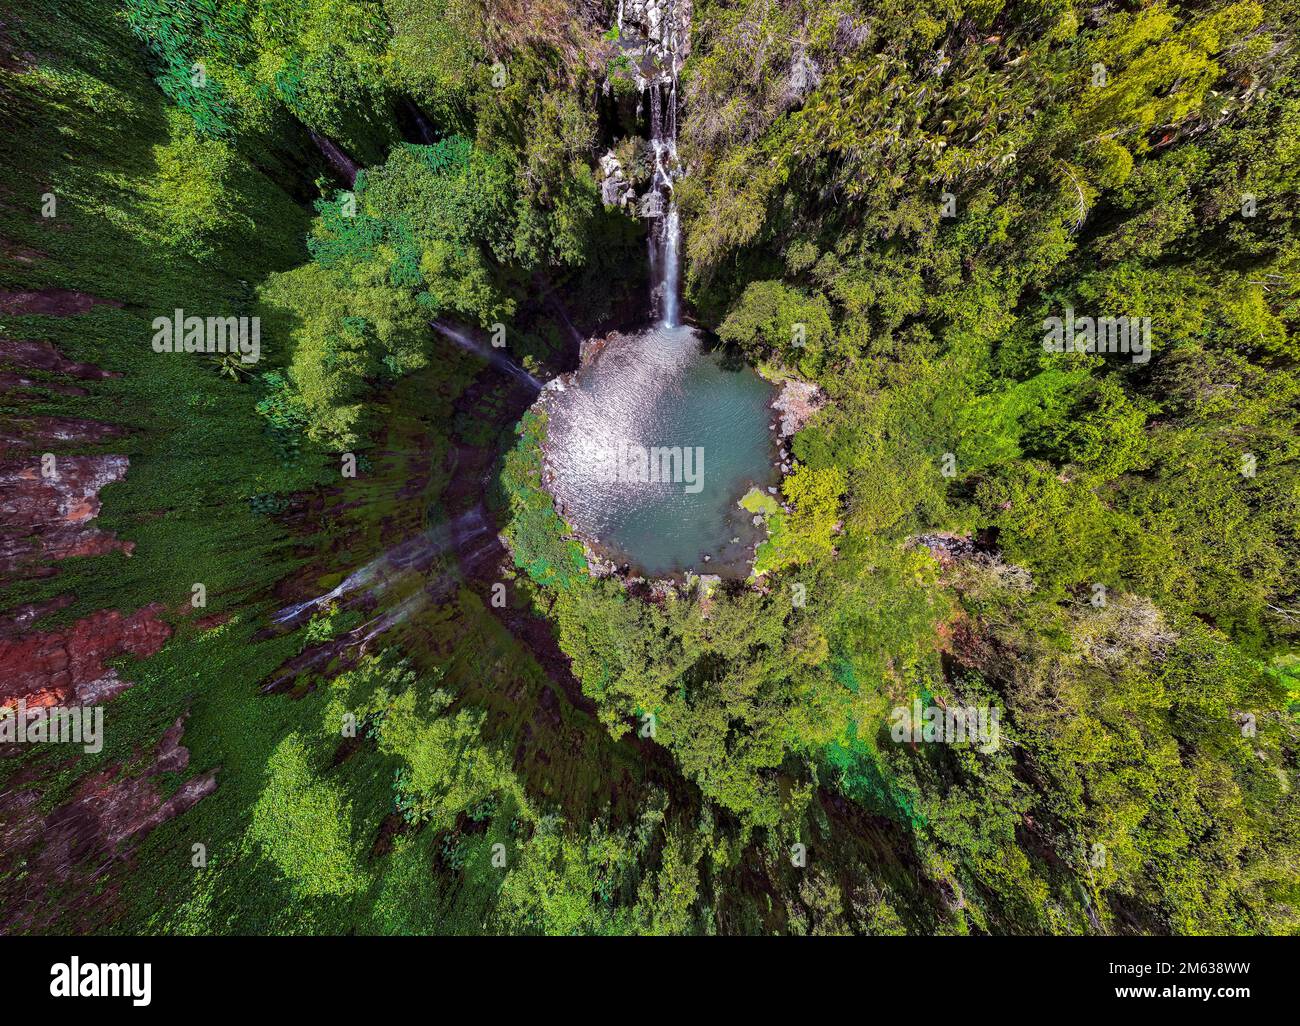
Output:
x,y
671,263
656,34
665,229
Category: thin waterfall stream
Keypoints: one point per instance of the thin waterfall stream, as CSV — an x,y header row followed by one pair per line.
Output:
x,y
660,204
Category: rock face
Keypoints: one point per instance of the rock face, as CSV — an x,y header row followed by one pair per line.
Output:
x,y
615,189
67,667
342,164
48,500
51,302
74,848
796,404
58,867
47,517
656,36
654,39
44,357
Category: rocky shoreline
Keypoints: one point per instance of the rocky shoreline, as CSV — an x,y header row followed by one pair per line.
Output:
x,y
797,402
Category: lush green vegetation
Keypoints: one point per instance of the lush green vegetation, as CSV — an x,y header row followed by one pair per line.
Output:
x,y
886,199
991,165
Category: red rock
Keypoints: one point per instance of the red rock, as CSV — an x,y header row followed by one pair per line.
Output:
x,y
41,432
18,620
43,356
60,667
51,302
21,254
26,388
73,858
45,519
213,621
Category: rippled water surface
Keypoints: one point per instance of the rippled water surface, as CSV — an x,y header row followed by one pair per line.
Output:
x,y
662,388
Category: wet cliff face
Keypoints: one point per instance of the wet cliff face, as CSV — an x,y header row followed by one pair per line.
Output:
x,y
653,41
656,35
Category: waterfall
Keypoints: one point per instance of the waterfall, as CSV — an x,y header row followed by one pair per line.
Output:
x,y
671,264
654,37
493,356
381,572
665,231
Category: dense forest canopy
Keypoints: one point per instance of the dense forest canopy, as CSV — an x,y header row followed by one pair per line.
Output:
x,y
892,201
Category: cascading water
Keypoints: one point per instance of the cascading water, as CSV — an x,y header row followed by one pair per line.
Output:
x,y
652,443
665,228
662,396
498,360
377,576
655,36
672,232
